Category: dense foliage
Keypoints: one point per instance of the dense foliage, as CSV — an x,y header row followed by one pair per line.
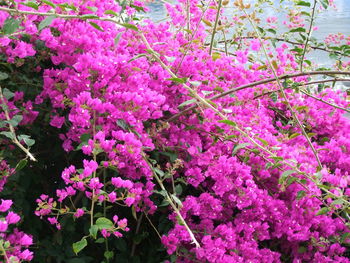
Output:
x,y
211,136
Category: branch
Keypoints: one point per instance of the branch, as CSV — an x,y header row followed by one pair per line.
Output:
x,y
12,130
323,101
287,41
215,26
308,35
260,82
15,11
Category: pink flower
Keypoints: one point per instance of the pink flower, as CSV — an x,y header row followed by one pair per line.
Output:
x,y
26,255
129,201
5,205
26,240
12,218
80,212
57,121
3,226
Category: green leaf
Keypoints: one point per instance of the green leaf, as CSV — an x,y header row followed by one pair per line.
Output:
x,y
264,142
291,180
228,122
104,223
109,254
276,158
177,200
215,56
322,211
178,80
10,26
130,26
68,6
46,22
271,30
16,120
138,8
302,249
96,26
31,4
49,3
3,75
89,16
301,194
324,3
8,134
238,147
285,175
93,231
303,3
137,57
122,124
294,135
111,12
338,202
273,96
8,94
100,240
92,8
195,83
178,189
29,142
21,164
117,38
179,221
158,171
80,245
187,102
344,237
299,29
85,137
261,29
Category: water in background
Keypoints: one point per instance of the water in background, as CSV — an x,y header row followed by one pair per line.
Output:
x,y
330,21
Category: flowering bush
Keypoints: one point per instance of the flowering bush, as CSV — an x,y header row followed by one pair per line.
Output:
x,y
127,133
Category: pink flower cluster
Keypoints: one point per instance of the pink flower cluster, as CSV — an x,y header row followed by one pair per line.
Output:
x,y
13,242
114,102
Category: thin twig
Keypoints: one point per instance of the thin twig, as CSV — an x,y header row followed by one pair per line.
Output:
x,y
172,204
14,11
323,101
308,35
12,130
287,41
215,26
304,84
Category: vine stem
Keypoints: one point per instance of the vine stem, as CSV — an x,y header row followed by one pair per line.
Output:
x,y
284,95
215,26
325,49
172,204
94,173
323,101
260,82
4,251
306,84
13,132
308,35
16,11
